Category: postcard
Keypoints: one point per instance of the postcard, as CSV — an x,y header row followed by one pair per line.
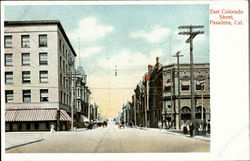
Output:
x,y
127,80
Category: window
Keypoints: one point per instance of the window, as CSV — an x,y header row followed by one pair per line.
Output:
x,y
27,126
44,76
26,96
67,100
9,97
8,60
25,58
78,92
167,87
42,40
25,41
64,98
185,85
36,125
26,76
47,125
44,95
64,81
60,78
7,41
199,85
60,44
61,96
60,62
43,59
8,77
63,66
63,50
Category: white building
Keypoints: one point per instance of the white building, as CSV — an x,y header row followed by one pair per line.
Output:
x,y
38,58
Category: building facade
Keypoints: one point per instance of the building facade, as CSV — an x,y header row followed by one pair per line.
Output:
x,y
155,94
38,60
171,110
156,97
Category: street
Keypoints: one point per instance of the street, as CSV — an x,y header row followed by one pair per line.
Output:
x,y
110,139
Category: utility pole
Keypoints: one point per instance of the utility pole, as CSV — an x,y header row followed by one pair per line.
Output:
x,y
191,34
179,90
171,99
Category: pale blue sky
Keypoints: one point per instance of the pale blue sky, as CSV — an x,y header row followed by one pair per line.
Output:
x,y
129,36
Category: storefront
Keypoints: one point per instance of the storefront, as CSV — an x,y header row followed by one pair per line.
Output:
x,y
35,119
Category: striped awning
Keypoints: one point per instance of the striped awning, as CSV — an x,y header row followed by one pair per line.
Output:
x,y
168,84
35,115
185,82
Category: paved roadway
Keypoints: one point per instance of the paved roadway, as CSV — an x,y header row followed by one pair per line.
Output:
x,y
114,140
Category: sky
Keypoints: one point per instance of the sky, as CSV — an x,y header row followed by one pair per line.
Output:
x,y
122,37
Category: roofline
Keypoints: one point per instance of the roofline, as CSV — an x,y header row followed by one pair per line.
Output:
x,y
41,22
169,65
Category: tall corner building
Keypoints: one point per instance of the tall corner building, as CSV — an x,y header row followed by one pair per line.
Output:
x,y
38,60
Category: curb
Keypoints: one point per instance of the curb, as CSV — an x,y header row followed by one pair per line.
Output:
x,y
15,146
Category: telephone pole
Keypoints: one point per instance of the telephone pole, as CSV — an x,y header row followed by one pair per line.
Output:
x,y
179,90
191,34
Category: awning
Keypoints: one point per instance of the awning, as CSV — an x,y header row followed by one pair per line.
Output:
x,y
185,82
168,84
18,115
200,82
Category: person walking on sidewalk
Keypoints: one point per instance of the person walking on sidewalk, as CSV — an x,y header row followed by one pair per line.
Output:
x,y
191,128
185,131
196,127
159,124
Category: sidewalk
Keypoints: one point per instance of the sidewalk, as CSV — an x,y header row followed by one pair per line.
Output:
x,y
177,132
180,132
16,139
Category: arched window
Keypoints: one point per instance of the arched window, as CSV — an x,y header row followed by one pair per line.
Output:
x,y
198,112
185,109
185,113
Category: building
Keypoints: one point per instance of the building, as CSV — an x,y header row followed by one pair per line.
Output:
x,y
140,105
39,59
82,101
170,115
155,94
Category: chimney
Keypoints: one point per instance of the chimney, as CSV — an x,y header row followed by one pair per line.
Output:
x,y
150,67
157,60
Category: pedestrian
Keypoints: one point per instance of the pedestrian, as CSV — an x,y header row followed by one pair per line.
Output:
x,y
52,128
191,128
185,128
196,127
159,124
204,127
208,127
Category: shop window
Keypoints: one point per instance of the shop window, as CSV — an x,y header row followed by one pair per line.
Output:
x,y
36,125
